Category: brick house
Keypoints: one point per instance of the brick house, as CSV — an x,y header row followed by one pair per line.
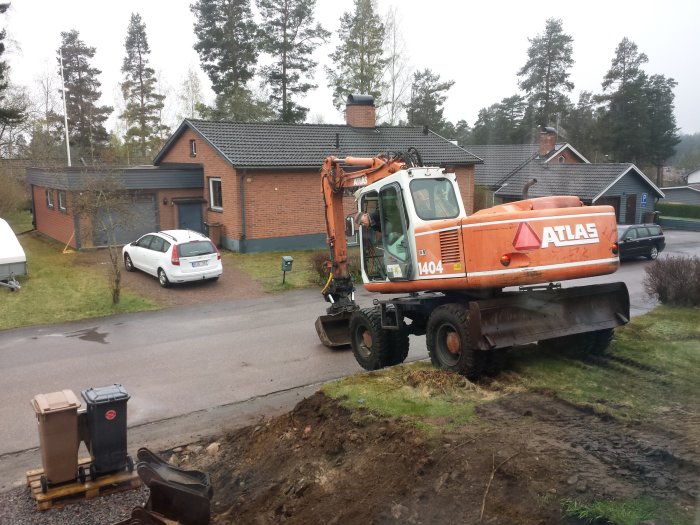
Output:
x,y
256,184
164,197
561,170
261,180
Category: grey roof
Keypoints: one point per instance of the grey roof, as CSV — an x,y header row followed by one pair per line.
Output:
x,y
501,161
587,181
132,178
276,145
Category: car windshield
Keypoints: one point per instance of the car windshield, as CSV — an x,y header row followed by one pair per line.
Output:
x,y
621,231
194,248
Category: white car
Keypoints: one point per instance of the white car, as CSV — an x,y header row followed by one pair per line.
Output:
x,y
174,256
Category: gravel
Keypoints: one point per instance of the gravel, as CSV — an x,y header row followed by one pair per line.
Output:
x,y
17,507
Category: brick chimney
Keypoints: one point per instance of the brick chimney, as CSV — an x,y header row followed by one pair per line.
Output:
x,y
360,111
548,140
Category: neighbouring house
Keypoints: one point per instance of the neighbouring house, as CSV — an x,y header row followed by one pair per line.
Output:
x,y
257,185
560,169
164,197
689,194
694,176
262,182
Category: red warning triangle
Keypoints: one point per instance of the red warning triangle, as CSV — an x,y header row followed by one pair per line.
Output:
x,y
526,238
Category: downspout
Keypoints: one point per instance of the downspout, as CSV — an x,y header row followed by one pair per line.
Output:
x,y
241,246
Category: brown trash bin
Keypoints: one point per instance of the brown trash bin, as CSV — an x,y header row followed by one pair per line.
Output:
x,y
214,232
57,417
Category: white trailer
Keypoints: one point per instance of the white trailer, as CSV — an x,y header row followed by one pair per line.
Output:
x,y
13,261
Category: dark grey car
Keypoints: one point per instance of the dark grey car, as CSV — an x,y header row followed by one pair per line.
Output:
x,y
640,240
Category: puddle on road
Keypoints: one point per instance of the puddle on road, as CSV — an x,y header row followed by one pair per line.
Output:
x,y
90,334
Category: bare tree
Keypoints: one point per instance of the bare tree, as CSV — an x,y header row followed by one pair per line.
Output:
x,y
108,207
190,95
397,75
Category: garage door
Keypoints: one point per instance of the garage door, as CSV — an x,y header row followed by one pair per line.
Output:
x,y
141,217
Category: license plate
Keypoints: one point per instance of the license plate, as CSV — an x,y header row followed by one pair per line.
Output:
x,y
199,263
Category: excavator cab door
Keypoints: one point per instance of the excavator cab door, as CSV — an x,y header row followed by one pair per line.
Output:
x,y
394,227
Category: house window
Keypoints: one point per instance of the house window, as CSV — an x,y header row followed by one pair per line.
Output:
x,y
562,160
215,200
49,199
193,148
62,202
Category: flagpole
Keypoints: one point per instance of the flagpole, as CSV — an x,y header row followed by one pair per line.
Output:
x,y
65,111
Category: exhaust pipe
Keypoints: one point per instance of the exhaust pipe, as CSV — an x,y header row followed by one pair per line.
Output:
x,y
527,187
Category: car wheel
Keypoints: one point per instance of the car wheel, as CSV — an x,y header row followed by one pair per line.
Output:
x,y
448,342
370,342
653,253
163,279
128,264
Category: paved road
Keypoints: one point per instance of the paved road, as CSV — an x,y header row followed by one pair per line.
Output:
x,y
194,368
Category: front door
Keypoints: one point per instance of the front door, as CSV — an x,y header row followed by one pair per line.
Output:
x,y
631,213
189,216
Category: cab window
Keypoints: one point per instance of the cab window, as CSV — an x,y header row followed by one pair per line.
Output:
x,y
434,199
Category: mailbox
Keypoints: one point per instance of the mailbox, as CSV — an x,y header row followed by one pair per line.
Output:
x,y
287,261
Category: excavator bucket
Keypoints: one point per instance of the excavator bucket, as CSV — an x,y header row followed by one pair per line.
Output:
x,y
536,315
334,330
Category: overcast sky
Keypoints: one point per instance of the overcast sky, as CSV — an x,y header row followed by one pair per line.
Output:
x,y
479,45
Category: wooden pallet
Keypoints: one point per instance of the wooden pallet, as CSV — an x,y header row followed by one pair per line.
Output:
x,y
74,491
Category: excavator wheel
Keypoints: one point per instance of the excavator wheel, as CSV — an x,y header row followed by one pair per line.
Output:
x,y
398,346
495,361
447,339
371,345
581,345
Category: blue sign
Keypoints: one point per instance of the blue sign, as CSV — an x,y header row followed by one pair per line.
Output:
x,y
644,200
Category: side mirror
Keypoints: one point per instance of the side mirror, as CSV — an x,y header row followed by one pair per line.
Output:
x,y
133,243
349,226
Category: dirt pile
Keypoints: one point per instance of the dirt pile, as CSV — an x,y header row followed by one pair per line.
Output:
x,y
515,463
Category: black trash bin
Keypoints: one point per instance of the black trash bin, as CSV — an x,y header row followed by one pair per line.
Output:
x,y
106,422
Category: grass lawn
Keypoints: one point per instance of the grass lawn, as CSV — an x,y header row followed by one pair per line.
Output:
x,y
56,290
266,268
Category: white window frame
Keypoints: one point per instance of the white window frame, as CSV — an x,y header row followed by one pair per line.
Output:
x,y
213,205
62,198
193,148
49,199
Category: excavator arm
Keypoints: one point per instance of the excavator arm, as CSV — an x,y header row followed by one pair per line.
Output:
x,y
337,175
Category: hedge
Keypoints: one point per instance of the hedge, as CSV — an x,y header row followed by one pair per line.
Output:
x,y
672,209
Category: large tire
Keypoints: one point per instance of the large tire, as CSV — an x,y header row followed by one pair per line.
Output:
x,y
370,343
581,345
447,339
128,264
163,278
599,341
398,346
653,253
495,361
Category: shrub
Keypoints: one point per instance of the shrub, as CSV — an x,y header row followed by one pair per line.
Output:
x,y
674,209
674,281
13,198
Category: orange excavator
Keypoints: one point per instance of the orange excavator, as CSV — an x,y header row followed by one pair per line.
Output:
x,y
474,285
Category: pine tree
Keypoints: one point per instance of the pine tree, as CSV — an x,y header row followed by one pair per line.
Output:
x,y
663,132
85,118
546,72
10,114
143,104
290,37
228,47
428,95
358,59
624,129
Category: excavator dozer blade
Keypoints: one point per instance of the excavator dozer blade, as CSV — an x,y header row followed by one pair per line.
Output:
x,y
528,316
334,330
